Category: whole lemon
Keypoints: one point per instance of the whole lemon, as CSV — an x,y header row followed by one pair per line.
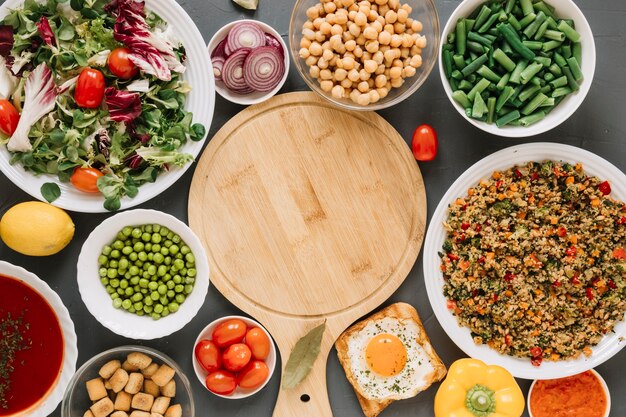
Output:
x,y
36,229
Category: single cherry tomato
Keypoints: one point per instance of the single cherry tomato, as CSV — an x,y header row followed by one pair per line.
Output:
x,y
236,357
258,342
9,117
86,179
208,355
253,375
229,332
424,143
120,65
221,382
605,188
89,88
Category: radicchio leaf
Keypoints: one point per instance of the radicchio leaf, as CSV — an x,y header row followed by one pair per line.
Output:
x,y
103,142
144,138
39,99
133,161
6,44
124,106
153,54
45,31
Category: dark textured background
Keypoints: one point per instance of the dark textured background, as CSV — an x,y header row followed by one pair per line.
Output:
x,y
599,126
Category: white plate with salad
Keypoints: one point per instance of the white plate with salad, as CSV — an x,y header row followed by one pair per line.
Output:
x,y
104,104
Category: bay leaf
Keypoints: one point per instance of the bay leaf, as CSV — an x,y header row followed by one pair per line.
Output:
x,y
302,357
248,4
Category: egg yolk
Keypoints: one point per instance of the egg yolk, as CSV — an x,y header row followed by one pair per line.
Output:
x,y
386,355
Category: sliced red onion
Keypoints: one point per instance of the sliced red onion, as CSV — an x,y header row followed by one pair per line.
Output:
x,y
218,66
264,68
233,73
270,40
244,35
220,49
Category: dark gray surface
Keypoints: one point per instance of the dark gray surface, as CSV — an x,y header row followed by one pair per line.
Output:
x,y
599,126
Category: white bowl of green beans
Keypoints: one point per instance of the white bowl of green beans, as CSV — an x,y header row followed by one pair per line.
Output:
x,y
143,274
517,68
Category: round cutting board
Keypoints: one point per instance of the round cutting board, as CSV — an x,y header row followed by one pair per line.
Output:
x,y
307,213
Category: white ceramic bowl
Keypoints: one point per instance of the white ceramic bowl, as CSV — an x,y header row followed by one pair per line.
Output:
x,y
200,101
602,382
239,392
99,302
76,400
565,9
502,160
53,397
256,96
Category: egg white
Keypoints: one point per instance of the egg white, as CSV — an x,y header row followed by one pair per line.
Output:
x,y
407,383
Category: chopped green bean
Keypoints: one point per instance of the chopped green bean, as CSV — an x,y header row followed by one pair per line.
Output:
x,y
528,92
527,7
527,20
473,36
530,71
504,96
533,45
517,72
566,51
488,74
555,35
502,58
483,15
491,109
513,39
474,65
485,27
534,104
571,81
561,91
508,118
550,45
459,62
532,28
503,81
555,69
479,107
533,118
575,68
461,98
447,62
560,60
577,53
569,31
478,88
460,37
514,22
541,31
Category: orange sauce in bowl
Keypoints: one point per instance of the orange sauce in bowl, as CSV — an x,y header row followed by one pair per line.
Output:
x,y
579,395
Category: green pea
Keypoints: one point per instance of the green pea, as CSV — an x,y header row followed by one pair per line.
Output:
x,y
178,256
148,301
123,283
126,304
147,309
148,247
158,308
191,272
114,282
189,280
115,254
170,284
134,281
185,250
171,294
166,312
177,279
106,251
134,270
170,235
156,228
133,256
164,231
110,289
144,291
138,306
180,298
183,271
190,258
158,258
167,260
115,296
113,264
123,264
137,297
146,237
174,249
127,250
154,295
138,247
176,239
150,256
129,291
104,281
140,312
179,288
152,270
155,316
168,243
167,277
163,300
102,272
136,233
188,289
156,238
173,307
179,264
102,260
117,303
162,289
162,271
143,283
120,291
156,248
132,310
118,244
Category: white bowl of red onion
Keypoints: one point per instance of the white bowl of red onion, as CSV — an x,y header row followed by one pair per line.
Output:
x,y
250,61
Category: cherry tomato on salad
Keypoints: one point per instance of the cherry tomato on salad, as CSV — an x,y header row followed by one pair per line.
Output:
x,y
221,382
258,342
253,375
208,355
229,332
424,143
120,65
89,88
85,179
9,117
236,357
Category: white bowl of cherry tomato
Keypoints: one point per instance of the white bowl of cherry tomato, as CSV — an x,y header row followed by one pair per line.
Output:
x,y
234,357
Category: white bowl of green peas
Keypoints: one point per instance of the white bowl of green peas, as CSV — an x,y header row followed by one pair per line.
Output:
x,y
143,274
517,68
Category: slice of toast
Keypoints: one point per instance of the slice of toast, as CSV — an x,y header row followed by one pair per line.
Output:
x,y
403,311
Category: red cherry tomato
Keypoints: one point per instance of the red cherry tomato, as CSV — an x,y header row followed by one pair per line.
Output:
x,y
253,375
236,357
9,117
120,65
258,342
605,188
208,355
86,179
89,88
424,143
229,332
221,382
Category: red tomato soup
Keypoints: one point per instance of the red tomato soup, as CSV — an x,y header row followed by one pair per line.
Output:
x,y
31,354
580,395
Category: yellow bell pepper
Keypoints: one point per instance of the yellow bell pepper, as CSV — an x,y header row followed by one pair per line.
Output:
x,y
473,389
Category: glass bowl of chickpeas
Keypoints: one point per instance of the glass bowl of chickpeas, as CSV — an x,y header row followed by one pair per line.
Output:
x,y
364,55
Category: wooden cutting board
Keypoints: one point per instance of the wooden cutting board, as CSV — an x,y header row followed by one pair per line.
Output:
x,y
307,213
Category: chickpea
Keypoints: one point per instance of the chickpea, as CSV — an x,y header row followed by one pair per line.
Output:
x,y
354,95
407,7
360,19
415,50
327,54
399,28
331,18
371,46
314,71
366,56
370,65
416,61
308,34
396,40
391,17
372,16
403,15
336,30
346,83
360,40
326,85
340,74
348,3
358,52
365,10
312,13
381,69
350,45
388,28
305,43
377,26
312,60
378,57
348,63
364,75
353,8
408,71
370,83
397,82
405,52
341,19
304,53
326,74
374,96
353,75
320,37
354,29
308,25
370,33
347,36
363,87
363,99
394,4
322,63
395,72
384,38
383,9
318,22
421,42
325,28
352,15
330,7
315,49
382,92
381,2
337,91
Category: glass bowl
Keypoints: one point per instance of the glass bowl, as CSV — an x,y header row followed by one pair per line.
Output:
x,y
76,401
423,10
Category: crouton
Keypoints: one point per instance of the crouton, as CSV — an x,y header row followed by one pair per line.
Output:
x,y
109,368
102,408
88,413
149,387
138,413
134,384
169,390
150,370
142,401
160,405
128,367
163,375
139,360
174,411
96,389
119,380
122,401
119,414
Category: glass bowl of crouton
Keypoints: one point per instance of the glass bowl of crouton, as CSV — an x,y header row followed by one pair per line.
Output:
x,y
129,381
